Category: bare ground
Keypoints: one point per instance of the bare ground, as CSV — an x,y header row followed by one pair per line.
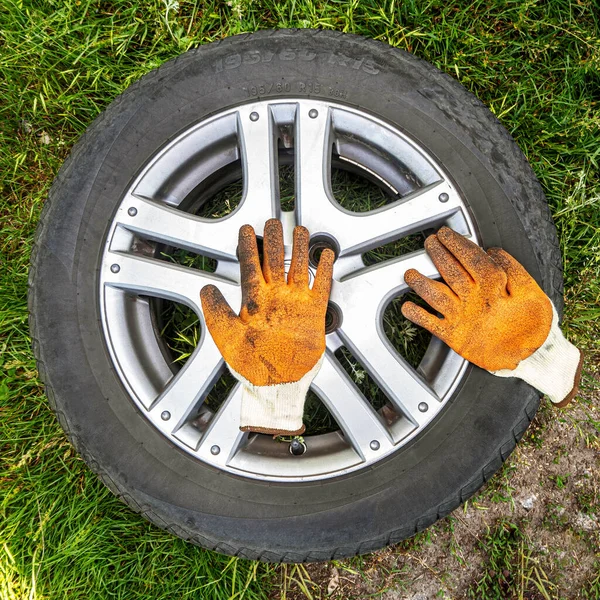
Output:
x,y
532,532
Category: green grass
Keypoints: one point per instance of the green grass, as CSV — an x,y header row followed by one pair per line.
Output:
x,y
535,64
513,567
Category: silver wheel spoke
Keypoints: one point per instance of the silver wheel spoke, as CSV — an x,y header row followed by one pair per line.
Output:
x,y
354,232
223,437
405,389
361,425
313,165
163,280
259,162
371,286
161,223
216,238
188,387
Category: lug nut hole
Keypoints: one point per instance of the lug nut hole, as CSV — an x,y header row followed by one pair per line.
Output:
x,y
316,249
333,318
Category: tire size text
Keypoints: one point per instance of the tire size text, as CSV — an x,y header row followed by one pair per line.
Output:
x,y
251,57
283,87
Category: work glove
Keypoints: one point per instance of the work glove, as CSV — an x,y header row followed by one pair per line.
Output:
x,y
495,315
275,346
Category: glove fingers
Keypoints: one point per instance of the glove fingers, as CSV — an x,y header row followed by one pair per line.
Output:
x,y
218,315
474,259
450,269
250,269
419,316
322,285
436,294
273,261
298,274
517,276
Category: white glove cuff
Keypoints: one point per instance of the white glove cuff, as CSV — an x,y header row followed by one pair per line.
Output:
x,y
553,368
275,408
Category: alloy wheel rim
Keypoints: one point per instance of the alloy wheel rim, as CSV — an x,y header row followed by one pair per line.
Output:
x,y
422,196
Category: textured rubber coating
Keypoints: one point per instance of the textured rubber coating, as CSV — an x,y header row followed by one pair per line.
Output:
x,y
335,518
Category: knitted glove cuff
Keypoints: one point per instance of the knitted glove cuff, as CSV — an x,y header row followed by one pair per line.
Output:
x,y
275,409
554,368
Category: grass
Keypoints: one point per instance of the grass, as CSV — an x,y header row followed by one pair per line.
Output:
x,y
535,64
513,567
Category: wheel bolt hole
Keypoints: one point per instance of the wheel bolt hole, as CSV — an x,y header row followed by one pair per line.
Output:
x,y
333,318
316,249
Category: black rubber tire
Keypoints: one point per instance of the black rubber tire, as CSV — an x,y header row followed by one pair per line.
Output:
x,y
319,520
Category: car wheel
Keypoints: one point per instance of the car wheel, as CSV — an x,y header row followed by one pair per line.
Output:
x,y
370,149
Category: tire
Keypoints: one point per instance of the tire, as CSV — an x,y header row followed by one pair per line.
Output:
x,y
315,520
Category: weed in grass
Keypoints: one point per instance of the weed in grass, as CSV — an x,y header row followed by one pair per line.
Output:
x,y
555,517
188,259
591,590
417,541
560,453
222,203
560,480
317,418
287,191
296,578
588,498
513,569
499,488
456,549
534,434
